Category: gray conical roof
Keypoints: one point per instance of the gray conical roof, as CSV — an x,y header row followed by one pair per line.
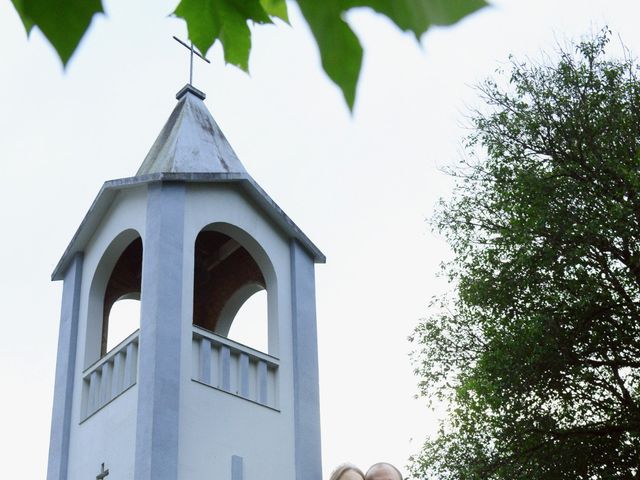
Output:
x,y
191,141
190,149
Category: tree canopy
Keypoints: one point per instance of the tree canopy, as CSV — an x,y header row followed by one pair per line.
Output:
x,y
537,350
65,22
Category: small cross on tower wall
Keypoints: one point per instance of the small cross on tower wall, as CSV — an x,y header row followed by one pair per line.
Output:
x,y
103,473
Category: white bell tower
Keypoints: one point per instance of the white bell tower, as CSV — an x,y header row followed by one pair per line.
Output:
x,y
192,236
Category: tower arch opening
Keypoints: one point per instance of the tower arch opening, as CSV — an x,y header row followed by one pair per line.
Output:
x,y
123,320
121,305
230,295
248,326
114,298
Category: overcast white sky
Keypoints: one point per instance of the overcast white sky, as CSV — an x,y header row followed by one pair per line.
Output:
x,y
359,185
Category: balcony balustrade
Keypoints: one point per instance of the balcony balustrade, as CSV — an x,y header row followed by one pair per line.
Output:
x,y
234,368
110,376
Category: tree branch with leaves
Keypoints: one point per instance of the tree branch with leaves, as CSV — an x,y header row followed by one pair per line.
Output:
x,y
537,353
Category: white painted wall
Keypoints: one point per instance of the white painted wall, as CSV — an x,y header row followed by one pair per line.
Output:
x,y
215,425
109,435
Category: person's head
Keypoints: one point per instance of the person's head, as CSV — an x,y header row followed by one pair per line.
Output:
x,y
347,471
383,471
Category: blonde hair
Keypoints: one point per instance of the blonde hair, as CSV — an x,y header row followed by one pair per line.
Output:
x,y
386,464
342,469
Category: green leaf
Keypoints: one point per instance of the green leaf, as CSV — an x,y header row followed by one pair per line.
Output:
x,y
340,50
63,22
276,8
236,40
418,15
26,21
224,20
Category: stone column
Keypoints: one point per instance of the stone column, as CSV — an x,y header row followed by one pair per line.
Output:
x,y
65,372
156,455
305,365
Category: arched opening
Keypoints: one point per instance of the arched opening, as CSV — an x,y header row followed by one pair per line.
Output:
x,y
113,315
121,305
116,277
124,319
248,326
226,277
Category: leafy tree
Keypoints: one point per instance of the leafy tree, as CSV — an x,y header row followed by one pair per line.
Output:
x,y
65,22
537,353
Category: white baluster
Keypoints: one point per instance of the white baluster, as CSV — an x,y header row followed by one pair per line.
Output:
x,y
105,383
243,373
130,365
225,366
263,395
204,369
116,375
94,388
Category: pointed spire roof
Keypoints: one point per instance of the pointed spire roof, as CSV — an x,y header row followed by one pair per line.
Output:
x,y
191,141
190,149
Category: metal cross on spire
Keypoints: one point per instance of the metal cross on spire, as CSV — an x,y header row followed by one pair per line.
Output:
x,y
193,51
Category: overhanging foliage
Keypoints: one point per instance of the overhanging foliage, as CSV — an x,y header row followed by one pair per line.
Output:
x,y
65,22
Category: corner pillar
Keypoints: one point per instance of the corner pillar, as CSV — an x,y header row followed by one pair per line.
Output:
x,y
65,372
156,450
308,465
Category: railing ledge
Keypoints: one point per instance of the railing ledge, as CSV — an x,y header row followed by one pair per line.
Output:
x,y
233,345
111,353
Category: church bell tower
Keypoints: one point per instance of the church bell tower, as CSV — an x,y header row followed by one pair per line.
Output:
x,y
192,236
